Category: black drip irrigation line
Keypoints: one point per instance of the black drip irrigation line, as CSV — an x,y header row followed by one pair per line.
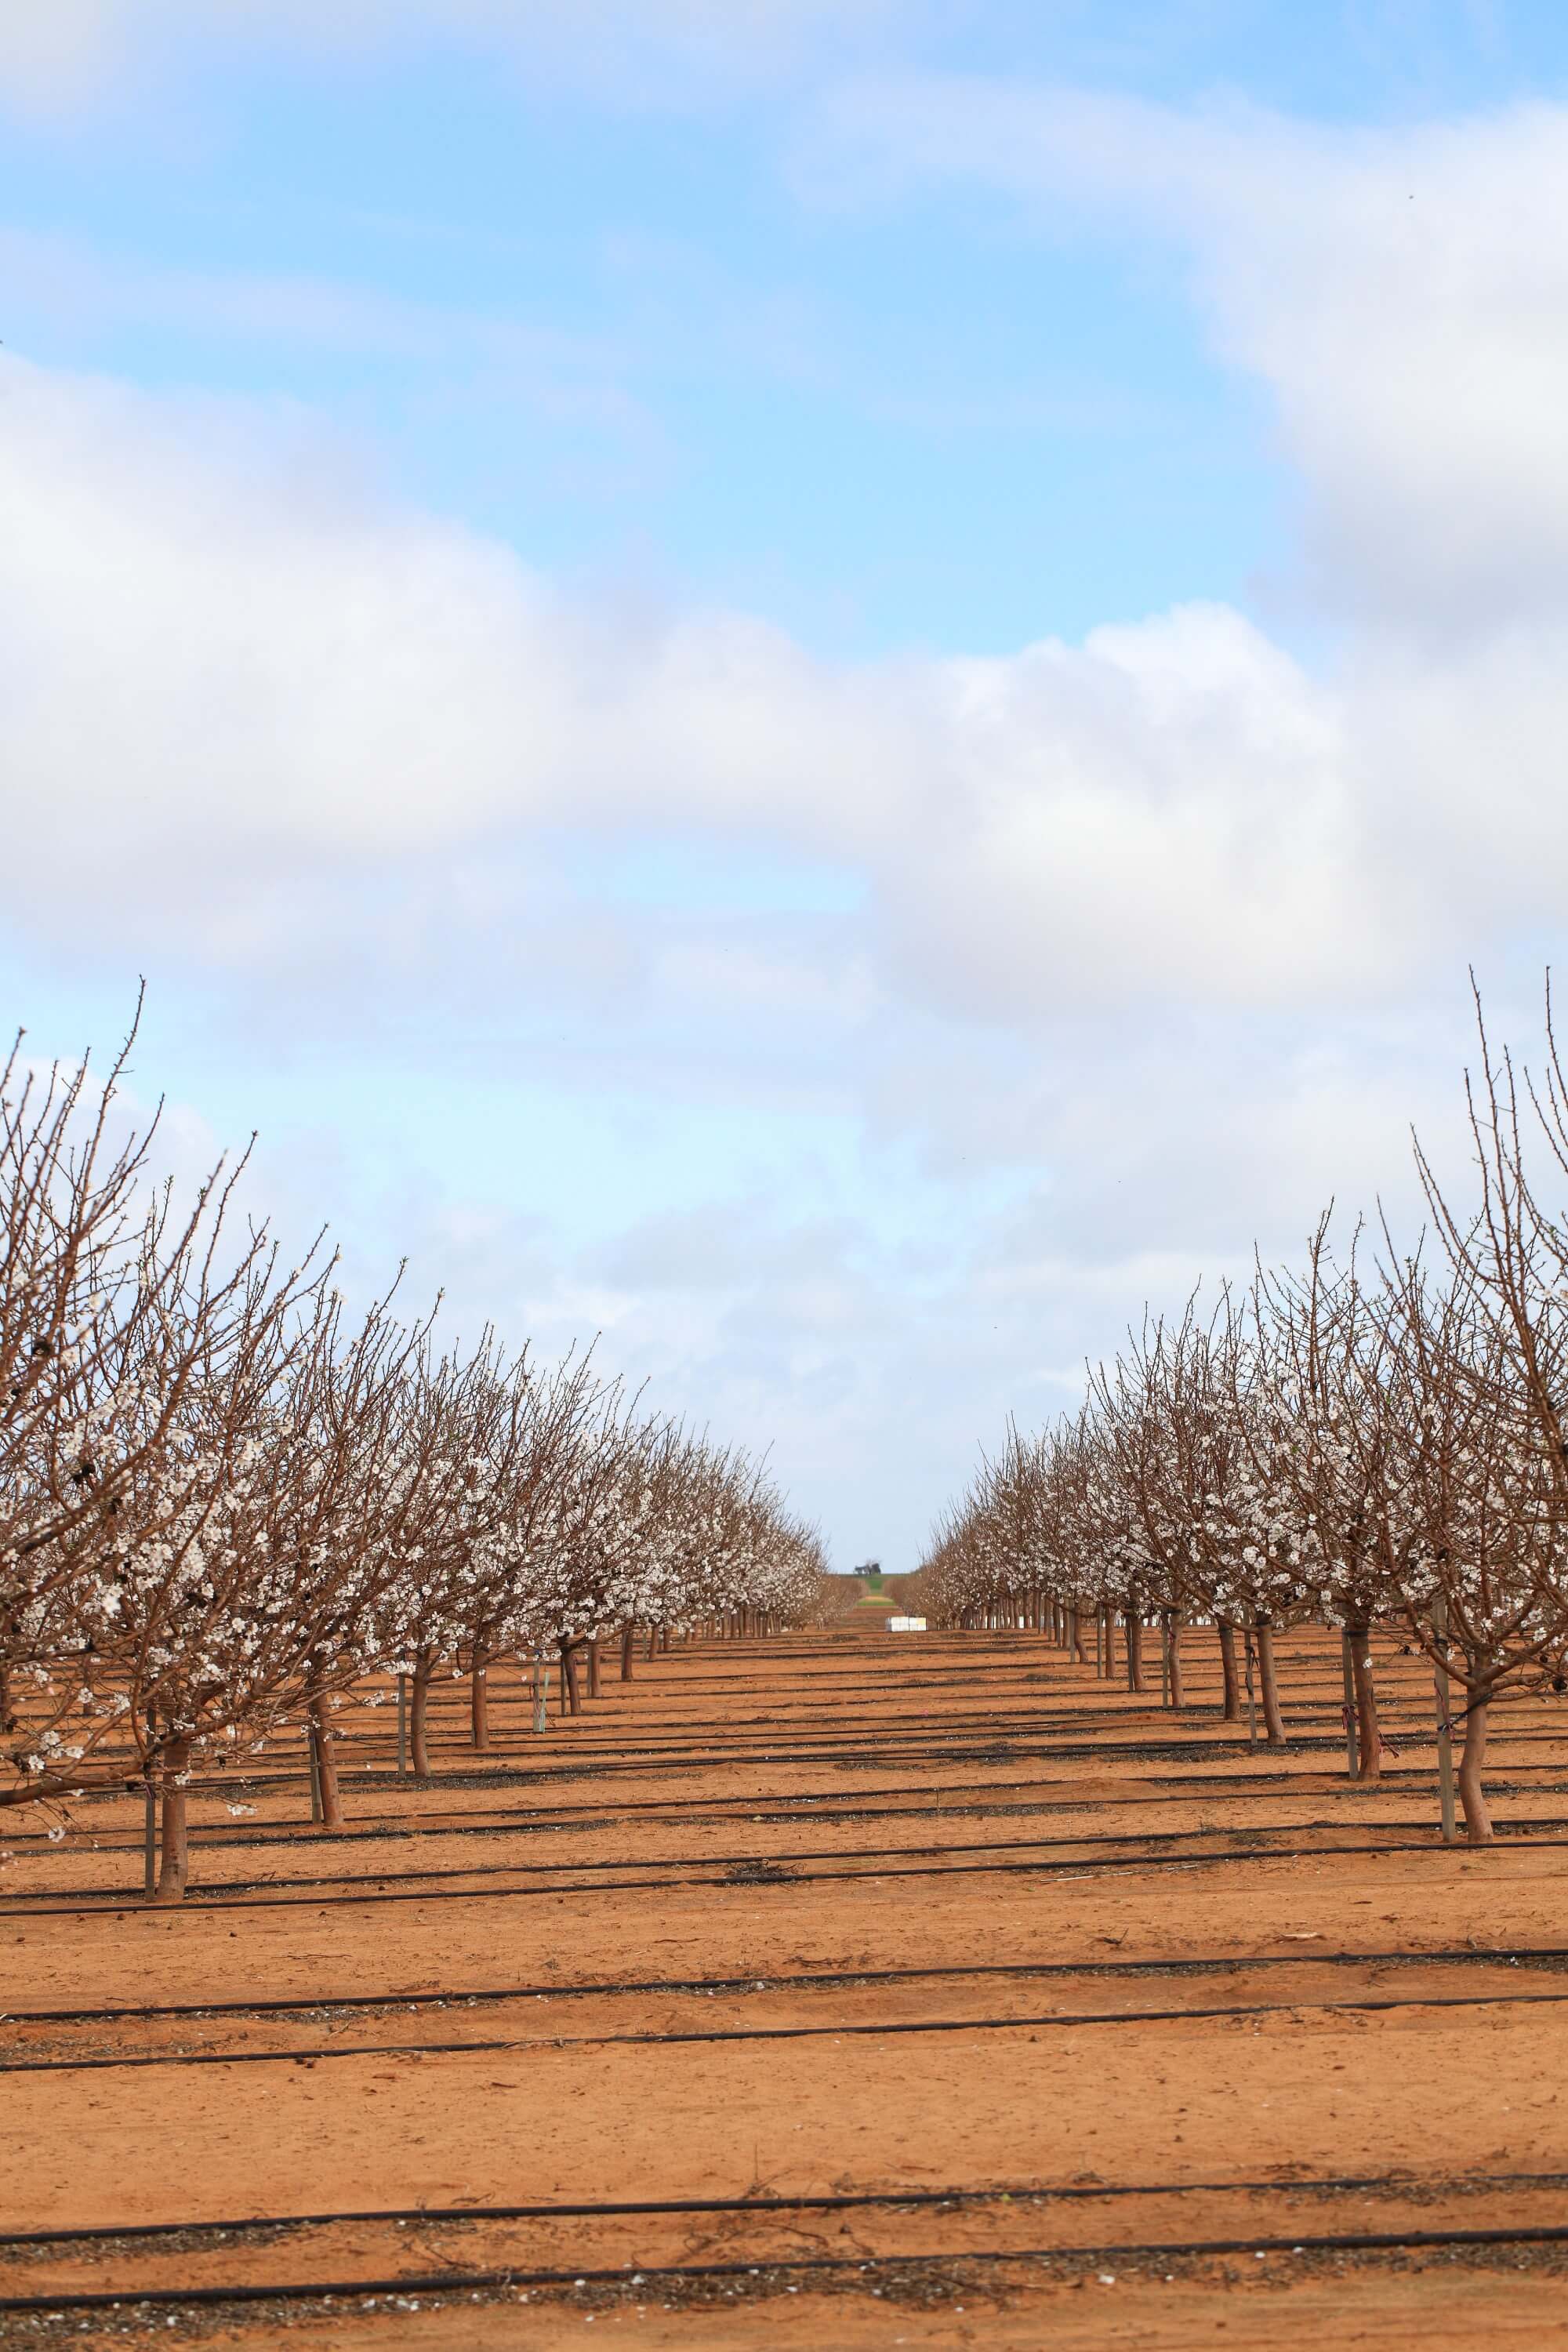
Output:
x,y
272,1835
1308,1681
657,1734
817,1806
592,1763
1316,1684
757,1871
1518,1832
1219,1741
504,1704
1073,1735
790,1710
781,1743
677,1736
1177,1739
842,2202
434,2282
1187,1750
798,1689
1006,1750
1221,1964
1052,2020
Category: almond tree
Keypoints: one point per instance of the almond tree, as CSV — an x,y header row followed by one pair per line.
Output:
x,y
120,1317
258,1605
1498,1359
225,1501
1208,1471
460,1415
1329,1365
513,1430
1144,1422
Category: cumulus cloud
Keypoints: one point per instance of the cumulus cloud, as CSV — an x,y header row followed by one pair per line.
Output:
x,y
233,671
229,654
1402,292
1144,950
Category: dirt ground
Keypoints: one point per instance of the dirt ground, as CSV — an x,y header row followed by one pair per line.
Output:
x,y
838,1989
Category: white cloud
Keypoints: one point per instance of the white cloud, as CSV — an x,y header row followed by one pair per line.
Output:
x,y
252,709
1162,812
877,1339
1127,901
1402,292
232,673
57,53
285,704
50,55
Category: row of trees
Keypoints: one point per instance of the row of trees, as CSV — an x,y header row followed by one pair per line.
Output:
x,y
226,1499
1375,1439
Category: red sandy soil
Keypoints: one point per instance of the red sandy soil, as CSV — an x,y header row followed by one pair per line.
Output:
x,y
1387,2061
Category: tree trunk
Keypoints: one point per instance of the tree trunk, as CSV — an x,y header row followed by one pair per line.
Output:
x,y
570,1699
1472,1759
653,1640
174,1861
1109,1615
1268,1686
1078,1651
1134,1624
1227,1671
1367,1739
326,1766
1173,1649
419,1715
480,1697
594,1668
628,1638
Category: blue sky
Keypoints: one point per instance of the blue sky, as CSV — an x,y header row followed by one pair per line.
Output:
x,y
639,348
834,688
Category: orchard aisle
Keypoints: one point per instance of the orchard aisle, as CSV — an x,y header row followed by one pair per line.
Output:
x,y
889,1954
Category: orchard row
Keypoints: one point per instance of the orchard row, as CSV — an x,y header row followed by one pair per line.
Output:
x,y
1377,1439
226,1499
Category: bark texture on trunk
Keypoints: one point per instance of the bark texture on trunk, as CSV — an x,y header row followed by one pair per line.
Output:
x,y
1472,1762
570,1697
173,1863
326,1754
628,1642
1369,1764
1134,1624
419,1715
1228,1674
1269,1687
1173,1645
594,1669
480,1697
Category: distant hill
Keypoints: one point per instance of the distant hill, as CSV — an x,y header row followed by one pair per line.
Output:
x,y
877,1589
